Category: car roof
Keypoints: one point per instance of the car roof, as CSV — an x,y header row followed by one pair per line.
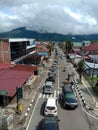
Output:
x,y
50,123
70,95
48,83
52,73
51,102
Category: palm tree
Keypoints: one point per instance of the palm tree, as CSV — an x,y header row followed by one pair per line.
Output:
x,y
50,47
68,46
80,68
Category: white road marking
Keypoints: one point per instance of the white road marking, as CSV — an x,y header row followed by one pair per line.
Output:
x,y
32,113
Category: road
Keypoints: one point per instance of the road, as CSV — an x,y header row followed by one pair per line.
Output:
x,y
69,119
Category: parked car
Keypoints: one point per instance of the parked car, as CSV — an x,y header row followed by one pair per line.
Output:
x,y
51,107
48,88
50,123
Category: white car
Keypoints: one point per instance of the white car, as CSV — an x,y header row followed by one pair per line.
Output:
x,y
51,107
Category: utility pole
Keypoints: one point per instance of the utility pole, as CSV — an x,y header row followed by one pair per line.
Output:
x,y
93,72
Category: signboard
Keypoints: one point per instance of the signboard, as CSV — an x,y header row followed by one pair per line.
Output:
x,y
43,53
19,93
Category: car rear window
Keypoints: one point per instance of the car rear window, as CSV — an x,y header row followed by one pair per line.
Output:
x,y
50,108
50,125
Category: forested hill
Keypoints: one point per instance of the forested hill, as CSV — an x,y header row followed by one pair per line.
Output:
x,y
22,32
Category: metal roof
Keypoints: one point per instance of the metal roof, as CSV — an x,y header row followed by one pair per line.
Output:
x,y
10,79
91,65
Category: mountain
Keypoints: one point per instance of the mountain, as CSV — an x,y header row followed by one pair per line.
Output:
x,y
22,32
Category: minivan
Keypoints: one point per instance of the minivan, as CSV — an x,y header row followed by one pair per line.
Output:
x,y
48,88
51,107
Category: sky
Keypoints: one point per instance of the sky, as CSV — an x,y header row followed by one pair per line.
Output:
x,y
54,16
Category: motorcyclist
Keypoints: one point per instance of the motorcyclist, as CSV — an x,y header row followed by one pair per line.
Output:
x,y
64,69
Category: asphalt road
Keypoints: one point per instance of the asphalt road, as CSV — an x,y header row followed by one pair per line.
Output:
x,y
69,119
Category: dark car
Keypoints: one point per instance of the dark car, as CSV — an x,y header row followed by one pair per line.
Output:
x,y
56,62
52,69
70,100
68,97
51,79
67,88
50,123
51,74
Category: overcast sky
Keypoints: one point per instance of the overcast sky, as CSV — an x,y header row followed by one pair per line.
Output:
x,y
60,16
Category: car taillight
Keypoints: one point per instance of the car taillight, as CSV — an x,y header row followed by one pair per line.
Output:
x,y
55,111
45,110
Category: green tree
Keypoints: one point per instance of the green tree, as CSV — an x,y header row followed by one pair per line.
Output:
x,y
80,68
50,47
68,46
61,46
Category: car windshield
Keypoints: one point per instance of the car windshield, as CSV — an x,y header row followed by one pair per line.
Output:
x,y
70,97
51,74
50,125
50,108
48,86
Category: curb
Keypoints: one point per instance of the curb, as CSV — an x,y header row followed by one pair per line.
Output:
x,y
81,96
29,108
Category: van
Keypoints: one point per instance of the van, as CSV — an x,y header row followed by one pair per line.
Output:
x,y
51,107
48,88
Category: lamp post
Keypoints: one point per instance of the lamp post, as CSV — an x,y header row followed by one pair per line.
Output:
x,y
93,72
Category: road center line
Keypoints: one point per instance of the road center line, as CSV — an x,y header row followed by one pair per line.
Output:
x,y
58,78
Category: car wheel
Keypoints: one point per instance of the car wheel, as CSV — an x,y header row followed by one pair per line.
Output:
x,y
64,105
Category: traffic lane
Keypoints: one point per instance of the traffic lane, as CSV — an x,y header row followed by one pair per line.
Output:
x,y
69,119
72,119
35,123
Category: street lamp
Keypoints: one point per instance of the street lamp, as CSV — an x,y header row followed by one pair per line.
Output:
x,y
93,71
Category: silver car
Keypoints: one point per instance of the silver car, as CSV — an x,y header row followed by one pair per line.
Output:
x,y
48,88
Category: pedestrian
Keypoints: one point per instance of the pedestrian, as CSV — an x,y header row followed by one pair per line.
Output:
x,y
72,83
68,77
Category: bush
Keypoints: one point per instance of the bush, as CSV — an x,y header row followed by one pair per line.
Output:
x,y
95,90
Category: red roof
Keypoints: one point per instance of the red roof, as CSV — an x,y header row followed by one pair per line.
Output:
x,y
41,48
23,67
86,57
10,79
4,66
91,47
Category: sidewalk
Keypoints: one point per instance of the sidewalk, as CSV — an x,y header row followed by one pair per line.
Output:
x,y
85,89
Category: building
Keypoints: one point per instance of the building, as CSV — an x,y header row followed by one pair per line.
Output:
x,y
91,68
12,77
91,49
14,50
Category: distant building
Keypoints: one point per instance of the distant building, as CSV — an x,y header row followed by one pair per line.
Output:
x,y
77,44
91,49
91,68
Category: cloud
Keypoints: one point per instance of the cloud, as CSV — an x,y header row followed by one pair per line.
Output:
x,y
60,16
